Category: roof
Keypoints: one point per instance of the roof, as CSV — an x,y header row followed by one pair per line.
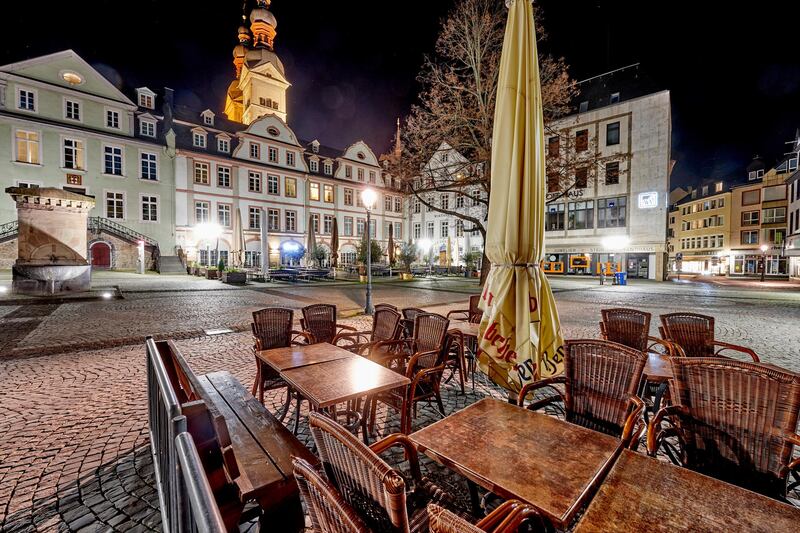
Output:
x,y
626,83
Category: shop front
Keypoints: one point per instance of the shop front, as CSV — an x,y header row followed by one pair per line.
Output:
x,y
637,262
750,264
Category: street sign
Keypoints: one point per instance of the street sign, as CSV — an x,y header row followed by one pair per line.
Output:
x,y
679,256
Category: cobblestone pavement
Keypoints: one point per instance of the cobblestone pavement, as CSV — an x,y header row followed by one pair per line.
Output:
x,y
75,455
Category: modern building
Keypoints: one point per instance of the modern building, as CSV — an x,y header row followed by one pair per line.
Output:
x,y
700,230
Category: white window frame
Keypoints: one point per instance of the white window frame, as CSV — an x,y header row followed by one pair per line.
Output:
x,y
142,153
197,135
270,151
259,179
142,95
290,158
230,173
141,208
107,113
83,151
223,145
79,104
208,211
273,178
35,94
194,172
313,165
255,150
106,192
230,214
150,124
122,159
328,168
14,147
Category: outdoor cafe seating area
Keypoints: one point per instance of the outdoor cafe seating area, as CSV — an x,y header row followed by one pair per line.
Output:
x,y
680,431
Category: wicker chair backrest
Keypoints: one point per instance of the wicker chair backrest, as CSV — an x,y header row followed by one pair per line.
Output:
x,y
320,320
430,335
385,324
273,327
692,332
628,327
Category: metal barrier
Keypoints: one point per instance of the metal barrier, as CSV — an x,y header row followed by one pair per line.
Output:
x,y
201,514
165,423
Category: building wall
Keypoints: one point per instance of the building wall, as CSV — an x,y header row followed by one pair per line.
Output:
x,y
700,236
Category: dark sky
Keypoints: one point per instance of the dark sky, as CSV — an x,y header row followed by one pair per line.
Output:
x,y
733,71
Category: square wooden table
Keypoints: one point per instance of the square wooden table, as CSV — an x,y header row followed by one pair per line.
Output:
x,y
282,359
644,494
467,329
516,453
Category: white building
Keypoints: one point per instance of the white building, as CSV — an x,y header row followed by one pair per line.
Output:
x,y
793,237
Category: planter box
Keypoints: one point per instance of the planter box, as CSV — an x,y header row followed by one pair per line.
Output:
x,y
212,274
406,276
234,278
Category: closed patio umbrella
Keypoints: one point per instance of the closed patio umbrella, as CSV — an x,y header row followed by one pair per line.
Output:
x,y
448,253
335,244
237,242
390,251
520,331
311,243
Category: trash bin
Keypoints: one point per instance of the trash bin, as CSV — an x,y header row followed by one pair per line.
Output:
x,y
622,278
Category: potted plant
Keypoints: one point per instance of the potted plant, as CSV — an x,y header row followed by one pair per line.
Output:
x,y
470,262
361,257
407,255
318,255
234,276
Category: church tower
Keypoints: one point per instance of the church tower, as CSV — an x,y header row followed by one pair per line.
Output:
x,y
260,85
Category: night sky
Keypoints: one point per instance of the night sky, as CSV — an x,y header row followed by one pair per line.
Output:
x,y
733,72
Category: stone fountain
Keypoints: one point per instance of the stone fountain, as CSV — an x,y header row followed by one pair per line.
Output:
x,y
51,248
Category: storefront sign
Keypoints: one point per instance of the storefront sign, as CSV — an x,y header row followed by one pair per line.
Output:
x,y
602,250
648,200
74,179
572,195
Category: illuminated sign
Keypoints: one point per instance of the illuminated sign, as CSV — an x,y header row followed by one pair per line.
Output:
x,y
74,179
648,200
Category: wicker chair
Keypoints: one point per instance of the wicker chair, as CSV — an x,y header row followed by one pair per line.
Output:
x,y
272,328
600,383
422,359
473,314
409,314
734,420
329,513
319,321
631,328
385,327
506,518
367,484
693,336
386,306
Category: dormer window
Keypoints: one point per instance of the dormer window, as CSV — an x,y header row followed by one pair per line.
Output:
x,y
208,117
614,98
792,164
328,168
314,165
199,139
223,145
315,146
755,174
146,97
583,107
705,190
147,128
718,187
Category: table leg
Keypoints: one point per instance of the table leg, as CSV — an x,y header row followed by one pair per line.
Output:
x,y
474,499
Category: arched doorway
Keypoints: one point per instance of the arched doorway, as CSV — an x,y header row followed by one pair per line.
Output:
x,y
100,255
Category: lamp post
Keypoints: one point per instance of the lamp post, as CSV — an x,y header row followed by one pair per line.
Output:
x,y
764,249
368,198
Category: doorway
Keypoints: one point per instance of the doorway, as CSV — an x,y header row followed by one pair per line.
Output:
x,y
637,266
100,255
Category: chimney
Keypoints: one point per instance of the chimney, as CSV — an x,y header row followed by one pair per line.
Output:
x,y
167,107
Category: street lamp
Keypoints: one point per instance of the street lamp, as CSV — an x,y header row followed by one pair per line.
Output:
x,y
764,249
208,231
425,246
369,198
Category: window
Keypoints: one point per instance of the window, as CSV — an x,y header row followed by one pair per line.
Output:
x,y
476,199
792,164
273,219
750,218
755,174
291,221
290,158
348,171
553,181
398,231
224,215
398,204
611,212
73,154
112,160
775,215
224,177
314,165
201,173
145,100
387,203
417,205
430,230
273,154
315,222
776,236
27,147
314,191
112,119
750,237
612,134
327,224
328,168
581,140
581,215
417,230
199,140
359,201
26,100
201,212
553,146
776,192
149,164
223,145
444,201
614,98
72,110
554,220
372,176
348,226
444,229
115,205
327,193
208,119
149,208
254,218
459,228
718,187
720,202
444,157
360,172
255,150
612,173
373,224
273,187
360,223
291,187
348,196
581,177
751,197
147,128
253,181
583,107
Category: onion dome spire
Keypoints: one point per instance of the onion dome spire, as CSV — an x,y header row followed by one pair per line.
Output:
x,y
240,50
263,24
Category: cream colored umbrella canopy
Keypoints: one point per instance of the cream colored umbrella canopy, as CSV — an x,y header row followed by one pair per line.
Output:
x,y
237,244
521,336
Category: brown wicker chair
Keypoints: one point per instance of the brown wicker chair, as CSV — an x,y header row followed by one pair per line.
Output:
x,y
272,328
329,513
386,306
600,383
631,328
385,327
319,321
507,518
693,336
733,420
364,481
409,314
473,314
421,358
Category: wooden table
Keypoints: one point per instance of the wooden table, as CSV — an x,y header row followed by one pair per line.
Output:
x,y
467,329
658,368
263,449
645,494
282,359
516,453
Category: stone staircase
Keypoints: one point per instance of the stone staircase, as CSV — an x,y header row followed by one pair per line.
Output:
x,y
170,264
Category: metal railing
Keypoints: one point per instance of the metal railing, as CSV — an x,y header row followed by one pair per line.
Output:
x,y
9,230
202,513
98,224
165,423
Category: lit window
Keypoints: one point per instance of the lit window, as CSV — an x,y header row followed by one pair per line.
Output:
x,y
291,188
327,193
314,192
348,196
27,147
145,100
201,173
